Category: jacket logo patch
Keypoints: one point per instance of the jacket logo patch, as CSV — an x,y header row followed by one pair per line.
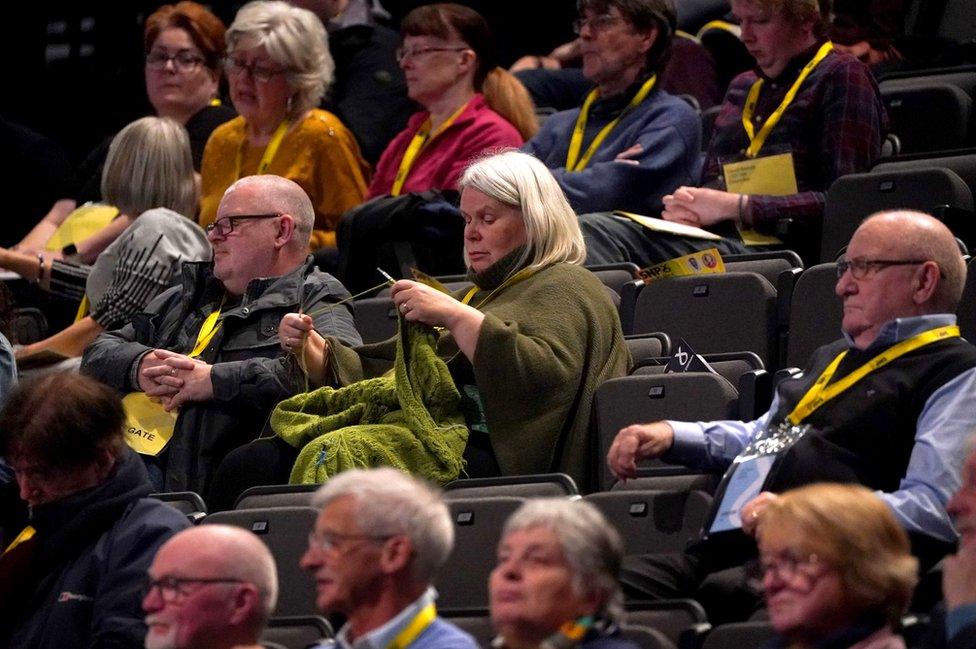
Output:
x,y
68,596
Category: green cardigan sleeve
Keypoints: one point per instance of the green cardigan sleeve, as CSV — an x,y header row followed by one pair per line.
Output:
x,y
544,347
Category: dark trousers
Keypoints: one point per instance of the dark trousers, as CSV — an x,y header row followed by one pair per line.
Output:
x,y
265,461
713,571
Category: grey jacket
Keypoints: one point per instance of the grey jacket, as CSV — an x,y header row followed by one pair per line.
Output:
x,y
250,374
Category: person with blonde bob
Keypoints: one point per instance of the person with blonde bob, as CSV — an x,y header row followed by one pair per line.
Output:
x,y
530,342
149,178
836,567
556,578
279,68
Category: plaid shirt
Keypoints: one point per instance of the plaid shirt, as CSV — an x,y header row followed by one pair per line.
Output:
x,y
834,127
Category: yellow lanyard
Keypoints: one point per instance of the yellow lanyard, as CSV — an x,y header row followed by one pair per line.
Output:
x,y
820,393
269,151
756,141
419,141
417,625
573,161
26,534
525,273
207,331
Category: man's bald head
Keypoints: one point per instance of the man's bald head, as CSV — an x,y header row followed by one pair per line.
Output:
x,y
916,235
216,587
271,193
903,264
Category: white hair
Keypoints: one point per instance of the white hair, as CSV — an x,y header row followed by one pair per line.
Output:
x,y
294,39
389,501
591,545
519,180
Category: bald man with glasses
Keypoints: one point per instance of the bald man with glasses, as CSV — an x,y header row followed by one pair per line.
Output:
x,y
209,587
889,406
208,349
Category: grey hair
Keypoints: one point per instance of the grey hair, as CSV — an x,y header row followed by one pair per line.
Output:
x,y
591,545
519,180
389,501
149,165
285,196
294,39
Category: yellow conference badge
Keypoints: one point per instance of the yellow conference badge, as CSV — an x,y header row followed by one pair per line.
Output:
x,y
771,175
697,263
81,224
148,427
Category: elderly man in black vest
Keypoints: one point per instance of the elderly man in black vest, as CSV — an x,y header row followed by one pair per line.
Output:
x,y
889,406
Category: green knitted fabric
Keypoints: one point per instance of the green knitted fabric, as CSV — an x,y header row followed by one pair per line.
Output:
x,y
410,420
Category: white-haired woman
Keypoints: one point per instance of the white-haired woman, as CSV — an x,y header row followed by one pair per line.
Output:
x,y
556,578
279,68
529,343
149,176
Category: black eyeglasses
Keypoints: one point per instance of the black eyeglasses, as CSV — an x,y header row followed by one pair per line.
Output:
x,y
172,589
183,61
260,73
402,54
224,226
596,23
861,268
331,540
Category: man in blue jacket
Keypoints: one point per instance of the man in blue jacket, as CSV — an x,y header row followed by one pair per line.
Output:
x,y
73,577
630,143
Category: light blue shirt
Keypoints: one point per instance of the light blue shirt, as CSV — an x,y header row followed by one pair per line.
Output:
x,y
934,472
381,637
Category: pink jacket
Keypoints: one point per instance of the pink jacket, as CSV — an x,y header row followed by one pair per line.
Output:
x,y
477,130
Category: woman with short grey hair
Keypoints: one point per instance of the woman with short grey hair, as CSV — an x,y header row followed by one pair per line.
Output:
x,y
279,68
556,578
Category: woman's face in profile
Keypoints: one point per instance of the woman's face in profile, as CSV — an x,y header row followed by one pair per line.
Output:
x,y
491,229
531,588
433,65
804,595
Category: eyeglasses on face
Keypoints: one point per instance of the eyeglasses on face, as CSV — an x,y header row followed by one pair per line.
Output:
x,y
861,268
183,61
599,23
788,565
415,52
224,226
235,65
327,541
173,589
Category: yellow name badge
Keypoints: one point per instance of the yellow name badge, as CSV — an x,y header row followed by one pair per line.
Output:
x,y
771,175
148,427
697,263
81,224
